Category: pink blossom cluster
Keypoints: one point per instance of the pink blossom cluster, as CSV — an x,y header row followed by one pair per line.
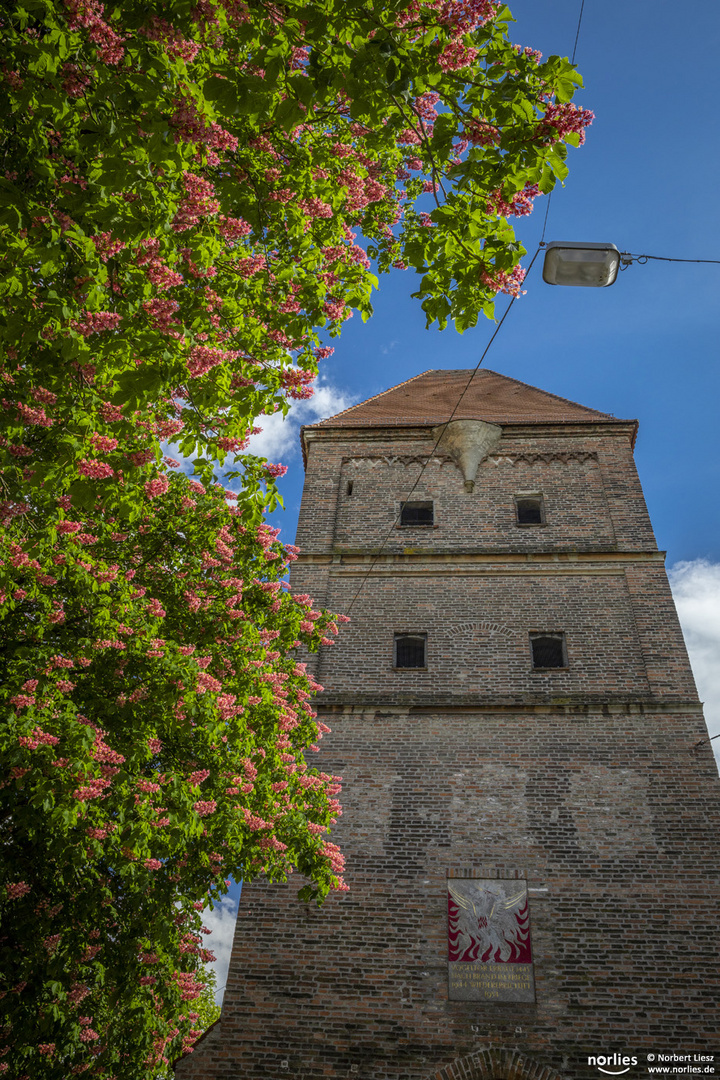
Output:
x,y
157,270
232,446
232,228
205,357
149,787
253,820
481,133
156,487
227,708
456,56
45,397
162,315
102,444
33,417
190,988
101,833
16,890
198,202
88,14
518,205
271,843
205,808
298,382
105,246
335,856
61,662
110,413
250,266
315,208
96,322
78,993
560,120
95,470
174,43
336,310
501,281
463,16
275,470
38,737
206,682
191,126
532,54
21,451
424,108
141,457
57,615
94,789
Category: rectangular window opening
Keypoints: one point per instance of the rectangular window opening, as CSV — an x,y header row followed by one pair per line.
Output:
x,y
548,651
530,509
416,513
349,488
410,650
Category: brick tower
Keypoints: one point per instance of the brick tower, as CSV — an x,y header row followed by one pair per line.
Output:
x,y
531,831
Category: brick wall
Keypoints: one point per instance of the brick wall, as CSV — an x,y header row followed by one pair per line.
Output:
x,y
586,782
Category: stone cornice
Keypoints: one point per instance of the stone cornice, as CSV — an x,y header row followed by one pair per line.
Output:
x,y
422,561
434,703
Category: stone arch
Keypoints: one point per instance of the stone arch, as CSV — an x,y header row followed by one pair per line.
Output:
x,y
483,628
494,1064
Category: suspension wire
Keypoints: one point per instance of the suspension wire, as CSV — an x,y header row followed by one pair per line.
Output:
x,y
642,259
550,195
442,426
547,211
577,33
703,741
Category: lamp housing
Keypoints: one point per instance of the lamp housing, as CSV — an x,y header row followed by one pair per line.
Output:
x,y
584,264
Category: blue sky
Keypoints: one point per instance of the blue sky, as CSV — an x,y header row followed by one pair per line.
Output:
x,y
647,346
644,348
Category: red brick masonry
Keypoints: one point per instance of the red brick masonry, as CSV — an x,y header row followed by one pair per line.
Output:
x,y
586,781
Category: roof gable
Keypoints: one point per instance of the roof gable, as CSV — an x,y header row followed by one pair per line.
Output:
x,y
431,397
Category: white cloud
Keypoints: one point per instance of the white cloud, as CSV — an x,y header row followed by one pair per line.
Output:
x,y
221,923
696,588
280,434
385,349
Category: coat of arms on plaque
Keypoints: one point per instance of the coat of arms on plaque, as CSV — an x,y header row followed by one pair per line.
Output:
x,y
489,953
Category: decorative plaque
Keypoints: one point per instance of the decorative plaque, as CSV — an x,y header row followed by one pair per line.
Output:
x,y
489,955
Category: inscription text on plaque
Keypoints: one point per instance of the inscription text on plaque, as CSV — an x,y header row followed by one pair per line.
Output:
x,y
489,953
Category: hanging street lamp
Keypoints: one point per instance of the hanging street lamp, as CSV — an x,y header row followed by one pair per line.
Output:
x,y
571,263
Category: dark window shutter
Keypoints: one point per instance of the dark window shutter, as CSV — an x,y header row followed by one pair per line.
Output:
x,y
416,513
548,650
529,511
410,651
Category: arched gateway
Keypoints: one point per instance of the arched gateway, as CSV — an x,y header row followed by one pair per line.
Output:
x,y
496,1065
531,830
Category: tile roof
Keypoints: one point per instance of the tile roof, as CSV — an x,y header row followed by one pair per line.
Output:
x,y
431,397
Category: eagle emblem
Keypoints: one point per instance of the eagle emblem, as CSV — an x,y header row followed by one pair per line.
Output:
x,y
488,921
